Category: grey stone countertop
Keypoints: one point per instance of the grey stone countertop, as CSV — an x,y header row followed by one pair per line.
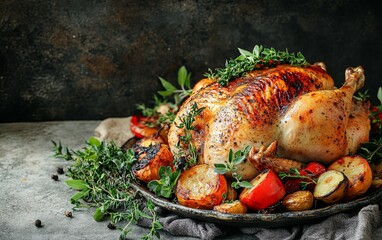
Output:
x,y
27,191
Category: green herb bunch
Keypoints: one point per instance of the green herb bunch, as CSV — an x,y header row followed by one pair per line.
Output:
x,y
182,159
372,150
257,59
231,166
184,82
166,185
101,173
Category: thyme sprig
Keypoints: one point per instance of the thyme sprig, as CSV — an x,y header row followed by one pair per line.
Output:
x,y
295,174
182,159
257,59
231,166
101,173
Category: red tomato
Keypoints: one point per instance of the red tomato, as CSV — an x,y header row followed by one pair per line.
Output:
x,y
267,189
376,119
313,170
139,128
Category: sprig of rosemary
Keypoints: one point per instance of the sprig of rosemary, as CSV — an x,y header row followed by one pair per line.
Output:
x,y
257,59
231,166
101,173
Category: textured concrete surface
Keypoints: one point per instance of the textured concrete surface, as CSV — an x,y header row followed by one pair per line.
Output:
x,y
70,59
27,191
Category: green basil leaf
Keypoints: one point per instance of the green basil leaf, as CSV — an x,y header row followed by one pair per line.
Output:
x,y
80,195
94,142
182,75
77,184
167,85
379,94
98,215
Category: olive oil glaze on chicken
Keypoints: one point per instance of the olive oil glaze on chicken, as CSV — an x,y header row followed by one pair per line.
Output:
x,y
297,109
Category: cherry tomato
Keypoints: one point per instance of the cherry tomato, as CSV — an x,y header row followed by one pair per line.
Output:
x,y
376,119
313,170
267,189
138,126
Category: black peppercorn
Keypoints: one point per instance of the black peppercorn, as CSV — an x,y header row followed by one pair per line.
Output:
x,y
60,170
37,223
55,177
111,225
68,214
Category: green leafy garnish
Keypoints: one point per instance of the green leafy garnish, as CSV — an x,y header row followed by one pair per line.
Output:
x,y
231,166
101,173
295,174
187,123
257,59
165,186
184,82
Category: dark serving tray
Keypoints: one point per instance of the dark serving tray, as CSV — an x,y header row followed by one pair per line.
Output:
x,y
267,220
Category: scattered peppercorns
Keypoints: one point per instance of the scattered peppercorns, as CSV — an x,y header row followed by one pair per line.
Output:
x,y
68,214
60,170
111,225
37,223
55,177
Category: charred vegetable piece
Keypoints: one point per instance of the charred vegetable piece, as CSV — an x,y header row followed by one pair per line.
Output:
x,y
267,189
151,153
201,187
331,186
358,172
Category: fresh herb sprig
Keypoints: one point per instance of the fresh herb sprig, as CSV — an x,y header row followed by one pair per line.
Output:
x,y
231,166
184,82
165,185
295,174
187,123
257,59
101,173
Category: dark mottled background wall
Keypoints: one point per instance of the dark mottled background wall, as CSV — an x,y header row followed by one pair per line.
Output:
x,y
72,59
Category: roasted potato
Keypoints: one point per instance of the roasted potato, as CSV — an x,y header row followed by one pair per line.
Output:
x,y
151,153
376,168
298,201
358,172
376,184
231,193
331,186
201,187
235,207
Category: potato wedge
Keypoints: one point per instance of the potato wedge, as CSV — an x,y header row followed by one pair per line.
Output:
x,y
152,154
235,207
201,187
231,193
358,172
298,201
331,186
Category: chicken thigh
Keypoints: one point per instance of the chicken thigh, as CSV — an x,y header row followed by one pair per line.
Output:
x,y
298,107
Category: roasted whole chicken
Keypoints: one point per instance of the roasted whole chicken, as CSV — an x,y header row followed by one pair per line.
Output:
x,y
296,110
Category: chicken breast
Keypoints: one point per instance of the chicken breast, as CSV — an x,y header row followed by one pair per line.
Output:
x,y
297,106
